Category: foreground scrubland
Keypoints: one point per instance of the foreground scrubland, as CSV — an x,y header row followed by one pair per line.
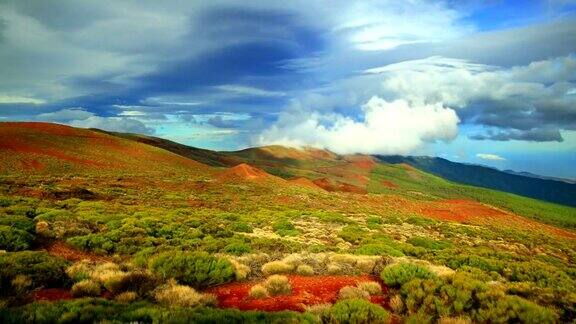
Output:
x,y
191,248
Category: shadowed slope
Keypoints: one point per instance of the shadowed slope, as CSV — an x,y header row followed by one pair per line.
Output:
x,y
33,148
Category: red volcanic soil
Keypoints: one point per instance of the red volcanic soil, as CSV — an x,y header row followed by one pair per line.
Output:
x,y
364,162
461,211
330,185
305,182
305,291
52,294
473,212
71,254
245,172
389,184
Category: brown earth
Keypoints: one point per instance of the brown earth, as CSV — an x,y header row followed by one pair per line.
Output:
x,y
70,253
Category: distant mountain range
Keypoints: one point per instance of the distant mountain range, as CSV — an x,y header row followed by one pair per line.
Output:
x,y
529,185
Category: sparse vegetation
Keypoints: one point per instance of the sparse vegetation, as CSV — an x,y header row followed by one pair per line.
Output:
x,y
156,245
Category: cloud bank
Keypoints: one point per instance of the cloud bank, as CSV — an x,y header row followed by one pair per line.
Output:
x,y
394,127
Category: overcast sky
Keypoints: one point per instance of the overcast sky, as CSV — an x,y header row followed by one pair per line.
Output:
x,y
490,82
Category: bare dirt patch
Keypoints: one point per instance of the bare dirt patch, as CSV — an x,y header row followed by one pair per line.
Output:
x,y
305,291
69,253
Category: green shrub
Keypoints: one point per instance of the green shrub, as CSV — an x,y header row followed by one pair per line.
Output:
x,y
19,222
237,248
428,243
398,274
197,269
460,295
13,239
513,309
140,282
378,249
352,233
40,267
285,228
241,227
355,311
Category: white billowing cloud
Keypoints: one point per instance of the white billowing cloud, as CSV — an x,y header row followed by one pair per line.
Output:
x,y
490,157
383,25
457,82
394,127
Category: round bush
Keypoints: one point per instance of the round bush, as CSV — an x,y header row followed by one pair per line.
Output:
x,y
42,269
13,239
278,285
355,311
399,274
350,292
258,291
86,288
197,269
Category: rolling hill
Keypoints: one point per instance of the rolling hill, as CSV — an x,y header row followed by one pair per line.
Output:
x,y
45,148
556,191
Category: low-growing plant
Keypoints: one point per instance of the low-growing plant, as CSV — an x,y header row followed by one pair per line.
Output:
x,y
352,233
371,287
126,297
349,292
355,311
396,304
285,228
175,295
14,239
197,269
40,267
398,274
276,267
305,270
278,285
429,243
258,291
86,288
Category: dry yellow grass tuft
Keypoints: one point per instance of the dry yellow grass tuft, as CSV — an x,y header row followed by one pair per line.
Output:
x,y
276,267
86,288
173,294
258,291
371,287
278,285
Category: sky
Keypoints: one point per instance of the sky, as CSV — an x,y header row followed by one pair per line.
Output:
x,y
487,82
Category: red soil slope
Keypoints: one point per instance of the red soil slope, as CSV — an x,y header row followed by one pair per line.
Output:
x,y
305,182
330,185
473,212
245,172
305,291
52,148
